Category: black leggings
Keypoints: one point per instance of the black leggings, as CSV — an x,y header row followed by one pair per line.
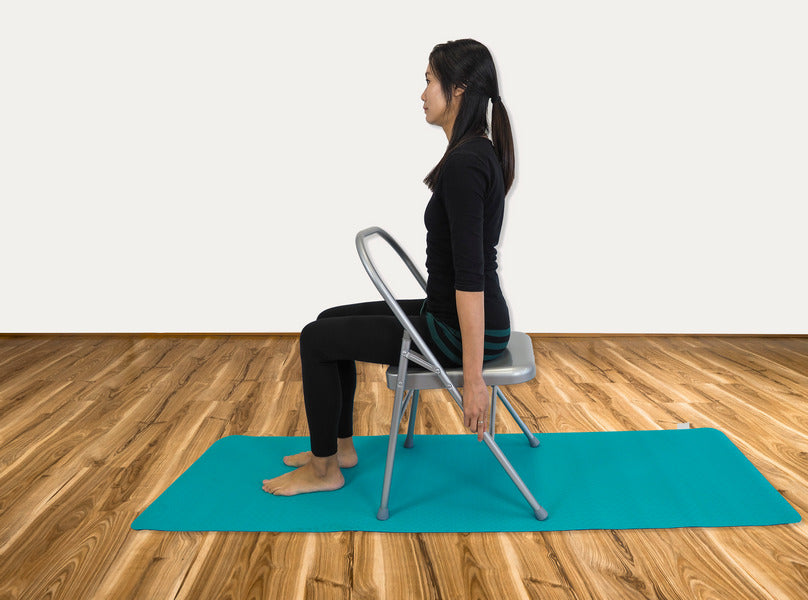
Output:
x,y
368,332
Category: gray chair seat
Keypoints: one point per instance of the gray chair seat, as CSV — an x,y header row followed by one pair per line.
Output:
x,y
516,365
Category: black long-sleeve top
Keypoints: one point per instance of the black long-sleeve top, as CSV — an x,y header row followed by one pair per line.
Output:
x,y
463,221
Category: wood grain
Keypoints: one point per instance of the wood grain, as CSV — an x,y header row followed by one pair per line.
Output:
x,y
94,427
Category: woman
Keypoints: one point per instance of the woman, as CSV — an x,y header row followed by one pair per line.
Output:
x,y
464,318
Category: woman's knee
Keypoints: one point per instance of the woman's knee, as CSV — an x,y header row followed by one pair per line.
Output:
x,y
325,313
337,311
308,338
319,339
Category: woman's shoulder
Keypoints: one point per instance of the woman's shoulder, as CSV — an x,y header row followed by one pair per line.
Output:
x,y
473,158
473,150
473,144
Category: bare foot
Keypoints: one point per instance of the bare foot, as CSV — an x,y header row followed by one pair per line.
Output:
x,y
308,478
346,455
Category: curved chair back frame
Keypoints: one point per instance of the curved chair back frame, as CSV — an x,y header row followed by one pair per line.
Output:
x,y
367,262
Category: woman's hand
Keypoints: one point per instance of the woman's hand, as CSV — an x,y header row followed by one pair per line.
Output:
x,y
475,405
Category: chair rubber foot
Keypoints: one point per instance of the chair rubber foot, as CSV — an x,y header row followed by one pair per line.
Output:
x,y
534,441
540,513
383,514
408,443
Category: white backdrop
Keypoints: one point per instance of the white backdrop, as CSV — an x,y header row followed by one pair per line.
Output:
x,y
178,166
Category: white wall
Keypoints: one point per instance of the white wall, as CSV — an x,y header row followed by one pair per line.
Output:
x,y
177,166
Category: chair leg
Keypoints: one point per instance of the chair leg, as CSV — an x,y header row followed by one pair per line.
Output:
x,y
405,404
408,443
493,412
532,439
383,512
538,511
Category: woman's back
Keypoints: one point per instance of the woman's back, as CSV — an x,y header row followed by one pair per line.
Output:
x,y
464,221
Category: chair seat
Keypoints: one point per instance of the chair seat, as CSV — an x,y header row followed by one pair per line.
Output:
x,y
516,365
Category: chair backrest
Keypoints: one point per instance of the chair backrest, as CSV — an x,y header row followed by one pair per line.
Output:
x,y
367,262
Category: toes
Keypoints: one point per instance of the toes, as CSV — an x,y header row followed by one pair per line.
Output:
x,y
297,460
270,485
274,489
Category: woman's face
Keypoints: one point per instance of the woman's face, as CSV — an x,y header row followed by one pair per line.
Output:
x,y
435,103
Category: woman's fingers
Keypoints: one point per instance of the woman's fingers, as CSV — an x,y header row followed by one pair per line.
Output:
x,y
480,426
477,424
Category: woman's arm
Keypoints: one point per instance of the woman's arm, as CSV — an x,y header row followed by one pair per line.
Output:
x,y
465,179
471,313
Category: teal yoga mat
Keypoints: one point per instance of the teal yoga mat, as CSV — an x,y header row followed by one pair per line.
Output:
x,y
603,480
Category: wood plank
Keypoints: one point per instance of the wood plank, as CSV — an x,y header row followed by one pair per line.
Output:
x,y
95,427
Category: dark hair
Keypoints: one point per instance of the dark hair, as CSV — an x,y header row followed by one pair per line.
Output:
x,y
468,64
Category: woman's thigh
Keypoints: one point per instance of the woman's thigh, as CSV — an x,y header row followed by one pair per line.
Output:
x,y
380,308
366,338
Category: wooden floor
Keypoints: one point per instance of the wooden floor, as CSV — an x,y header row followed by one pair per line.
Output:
x,y
93,428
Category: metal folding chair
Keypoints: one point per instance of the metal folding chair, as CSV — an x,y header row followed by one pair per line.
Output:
x,y
516,365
